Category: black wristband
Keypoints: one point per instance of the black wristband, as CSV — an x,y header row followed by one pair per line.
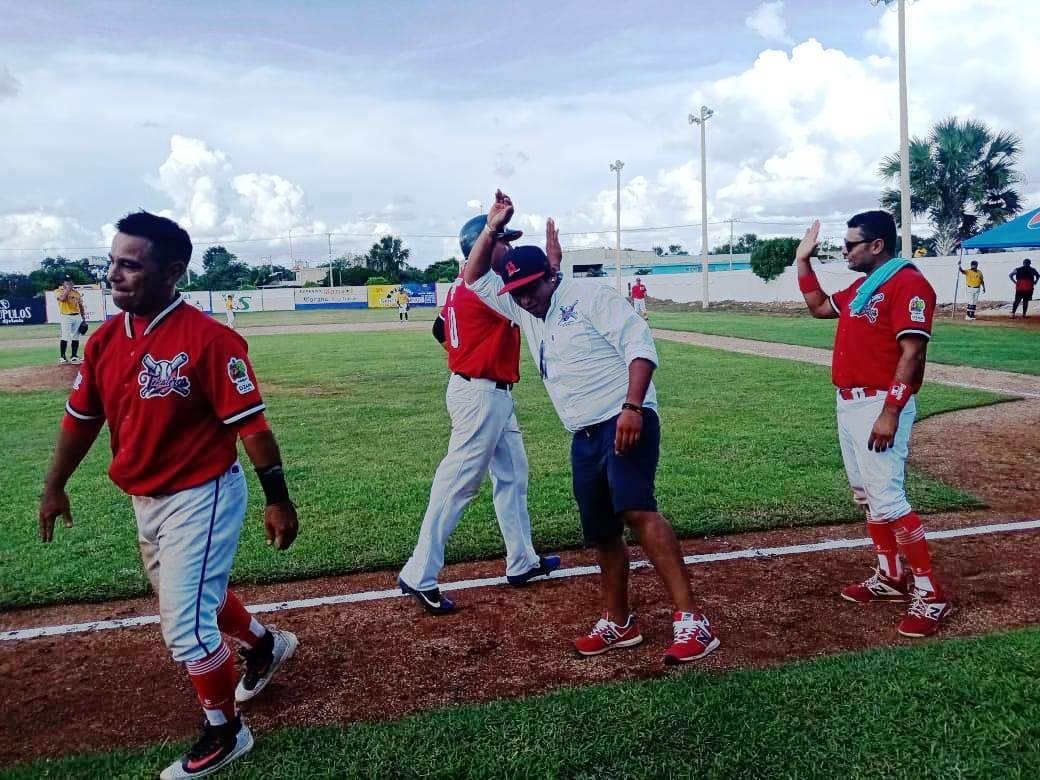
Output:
x,y
272,480
632,407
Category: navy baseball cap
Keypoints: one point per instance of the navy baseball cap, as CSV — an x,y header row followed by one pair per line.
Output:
x,y
471,232
521,266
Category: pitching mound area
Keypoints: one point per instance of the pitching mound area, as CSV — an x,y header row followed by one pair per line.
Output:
x,y
30,379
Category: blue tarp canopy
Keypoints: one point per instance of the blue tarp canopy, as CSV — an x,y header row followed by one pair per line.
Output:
x,y
1023,231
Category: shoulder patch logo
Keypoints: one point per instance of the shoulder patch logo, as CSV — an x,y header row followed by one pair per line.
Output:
x,y
77,381
162,377
917,307
568,313
239,376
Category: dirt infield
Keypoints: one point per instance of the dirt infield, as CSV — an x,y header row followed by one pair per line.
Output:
x,y
382,659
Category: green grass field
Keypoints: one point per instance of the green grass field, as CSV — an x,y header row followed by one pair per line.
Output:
x,y
954,709
748,443
956,343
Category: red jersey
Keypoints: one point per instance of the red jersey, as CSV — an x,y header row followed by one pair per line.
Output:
x,y
1025,278
173,390
866,345
481,342
638,291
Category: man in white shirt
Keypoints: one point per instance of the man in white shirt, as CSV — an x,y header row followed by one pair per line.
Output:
x,y
596,357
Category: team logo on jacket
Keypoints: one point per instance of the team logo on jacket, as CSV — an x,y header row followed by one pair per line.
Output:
x,y
568,313
870,311
917,307
239,376
162,377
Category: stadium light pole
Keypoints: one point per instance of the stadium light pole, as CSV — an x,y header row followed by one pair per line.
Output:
x,y
702,120
617,165
904,133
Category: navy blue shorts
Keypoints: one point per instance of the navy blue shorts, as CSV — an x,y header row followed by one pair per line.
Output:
x,y
605,484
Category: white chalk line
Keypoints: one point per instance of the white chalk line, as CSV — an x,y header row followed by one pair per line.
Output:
x,y
487,582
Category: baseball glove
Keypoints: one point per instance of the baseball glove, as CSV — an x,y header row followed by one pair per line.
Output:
x,y
82,329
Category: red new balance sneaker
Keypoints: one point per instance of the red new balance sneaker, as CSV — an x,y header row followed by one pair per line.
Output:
x,y
607,635
927,610
877,588
692,638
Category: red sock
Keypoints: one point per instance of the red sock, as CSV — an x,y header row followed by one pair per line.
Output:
x,y
213,678
910,536
884,538
234,620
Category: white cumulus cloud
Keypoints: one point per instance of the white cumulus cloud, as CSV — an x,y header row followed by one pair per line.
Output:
x,y
768,21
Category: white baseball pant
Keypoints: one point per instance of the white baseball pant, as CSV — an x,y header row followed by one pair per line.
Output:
x,y
640,305
188,542
485,436
70,326
876,478
973,295
230,317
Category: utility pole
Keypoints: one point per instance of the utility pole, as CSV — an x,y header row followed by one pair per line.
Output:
x,y
731,245
617,165
702,120
332,281
906,228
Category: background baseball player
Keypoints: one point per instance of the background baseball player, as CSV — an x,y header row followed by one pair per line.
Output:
x,y
402,305
884,324
229,310
177,391
976,284
70,315
1025,278
484,358
596,357
639,298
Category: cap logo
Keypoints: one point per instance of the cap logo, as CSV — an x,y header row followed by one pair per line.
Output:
x,y
511,268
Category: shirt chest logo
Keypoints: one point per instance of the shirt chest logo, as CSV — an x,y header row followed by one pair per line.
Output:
x,y
870,311
568,314
162,377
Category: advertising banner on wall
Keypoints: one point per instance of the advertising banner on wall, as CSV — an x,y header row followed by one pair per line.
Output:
x,y
199,299
330,298
382,296
22,311
421,294
97,306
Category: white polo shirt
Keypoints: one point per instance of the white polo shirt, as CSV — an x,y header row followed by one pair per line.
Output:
x,y
583,347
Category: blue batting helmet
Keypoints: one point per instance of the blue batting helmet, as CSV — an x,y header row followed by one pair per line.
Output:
x,y
471,231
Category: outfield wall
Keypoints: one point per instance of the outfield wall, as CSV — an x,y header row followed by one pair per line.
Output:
x,y
744,286
739,285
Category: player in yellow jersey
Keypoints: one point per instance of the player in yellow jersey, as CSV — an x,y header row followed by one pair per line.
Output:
x,y
975,283
70,314
402,305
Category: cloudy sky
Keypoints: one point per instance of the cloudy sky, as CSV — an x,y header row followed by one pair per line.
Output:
x,y
245,120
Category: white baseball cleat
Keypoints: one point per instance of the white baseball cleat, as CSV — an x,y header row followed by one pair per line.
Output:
x,y
263,661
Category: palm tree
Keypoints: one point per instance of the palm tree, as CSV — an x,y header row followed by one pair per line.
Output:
x,y
961,177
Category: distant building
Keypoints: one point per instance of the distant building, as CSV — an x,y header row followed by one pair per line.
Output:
x,y
304,274
601,261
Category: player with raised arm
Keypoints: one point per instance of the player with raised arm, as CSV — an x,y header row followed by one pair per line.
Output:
x,y
884,325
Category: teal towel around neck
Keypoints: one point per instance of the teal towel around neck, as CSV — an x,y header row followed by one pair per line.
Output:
x,y
878,277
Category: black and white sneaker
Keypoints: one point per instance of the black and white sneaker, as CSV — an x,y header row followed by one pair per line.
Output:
x,y
547,564
274,649
216,748
431,600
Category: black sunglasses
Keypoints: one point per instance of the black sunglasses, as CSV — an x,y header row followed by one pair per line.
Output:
x,y
850,245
